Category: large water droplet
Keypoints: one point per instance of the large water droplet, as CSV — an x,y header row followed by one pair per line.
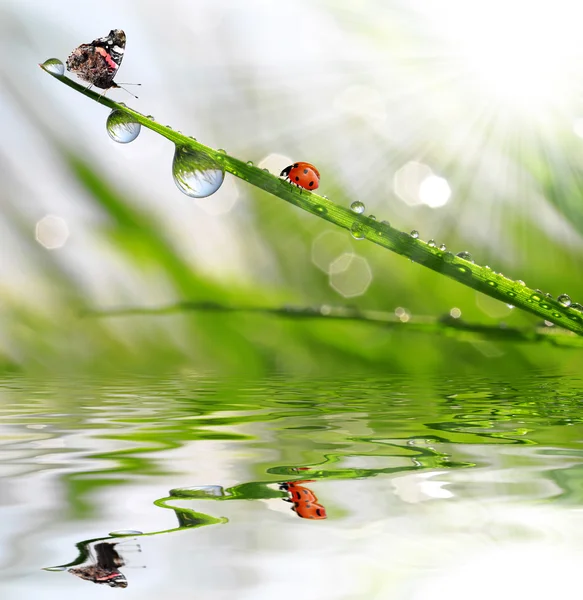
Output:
x,y
564,300
414,234
357,231
54,66
121,127
195,173
357,207
465,255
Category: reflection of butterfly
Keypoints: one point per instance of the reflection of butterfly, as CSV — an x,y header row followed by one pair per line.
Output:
x,y
305,503
106,567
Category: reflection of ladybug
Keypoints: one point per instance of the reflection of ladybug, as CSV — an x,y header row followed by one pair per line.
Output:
x,y
305,503
303,174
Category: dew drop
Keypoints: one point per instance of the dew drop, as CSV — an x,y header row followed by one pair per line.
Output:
x,y
465,255
510,306
431,243
54,569
54,66
121,127
192,138
195,174
321,210
557,315
357,207
520,282
443,247
577,306
491,283
372,217
222,151
249,163
536,297
126,532
448,257
151,117
266,170
385,223
357,231
511,294
564,300
414,234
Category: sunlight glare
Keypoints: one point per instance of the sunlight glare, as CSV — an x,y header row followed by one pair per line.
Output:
x,y
523,53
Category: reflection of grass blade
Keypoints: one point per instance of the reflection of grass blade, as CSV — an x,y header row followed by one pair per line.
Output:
x,y
474,276
446,326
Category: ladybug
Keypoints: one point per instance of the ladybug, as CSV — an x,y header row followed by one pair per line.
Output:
x,y
303,174
305,503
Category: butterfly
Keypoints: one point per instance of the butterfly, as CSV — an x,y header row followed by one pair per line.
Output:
x,y
99,61
106,567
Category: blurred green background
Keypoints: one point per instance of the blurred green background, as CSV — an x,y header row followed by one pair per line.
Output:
x,y
462,120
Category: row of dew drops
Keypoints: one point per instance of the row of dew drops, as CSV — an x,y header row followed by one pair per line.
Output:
x,y
199,176
564,300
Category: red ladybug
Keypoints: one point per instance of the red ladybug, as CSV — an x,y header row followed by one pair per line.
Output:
x,y
303,174
305,503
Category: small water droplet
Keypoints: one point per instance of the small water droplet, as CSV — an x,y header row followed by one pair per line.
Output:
x,y
192,138
549,323
535,297
121,127
443,247
222,151
54,66
510,306
431,243
511,294
325,197
465,255
448,257
249,163
321,209
54,569
488,268
577,306
266,170
357,207
168,127
491,283
126,532
151,117
372,217
357,231
195,174
564,300
520,282
385,223
414,234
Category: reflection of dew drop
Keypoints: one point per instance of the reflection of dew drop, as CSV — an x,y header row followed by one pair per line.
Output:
x,y
564,300
121,127
126,532
54,66
55,569
195,174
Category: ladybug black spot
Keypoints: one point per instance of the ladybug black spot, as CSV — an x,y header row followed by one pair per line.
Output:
x,y
296,166
305,171
297,178
318,512
311,183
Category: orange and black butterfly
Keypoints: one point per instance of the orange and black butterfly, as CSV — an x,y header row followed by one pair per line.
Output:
x,y
105,568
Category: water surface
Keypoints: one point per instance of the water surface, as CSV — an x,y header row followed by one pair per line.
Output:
x,y
393,487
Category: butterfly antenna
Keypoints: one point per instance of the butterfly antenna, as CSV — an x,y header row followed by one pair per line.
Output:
x,y
124,89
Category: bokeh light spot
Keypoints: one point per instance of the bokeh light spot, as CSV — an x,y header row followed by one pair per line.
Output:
x,y
350,275
52,232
